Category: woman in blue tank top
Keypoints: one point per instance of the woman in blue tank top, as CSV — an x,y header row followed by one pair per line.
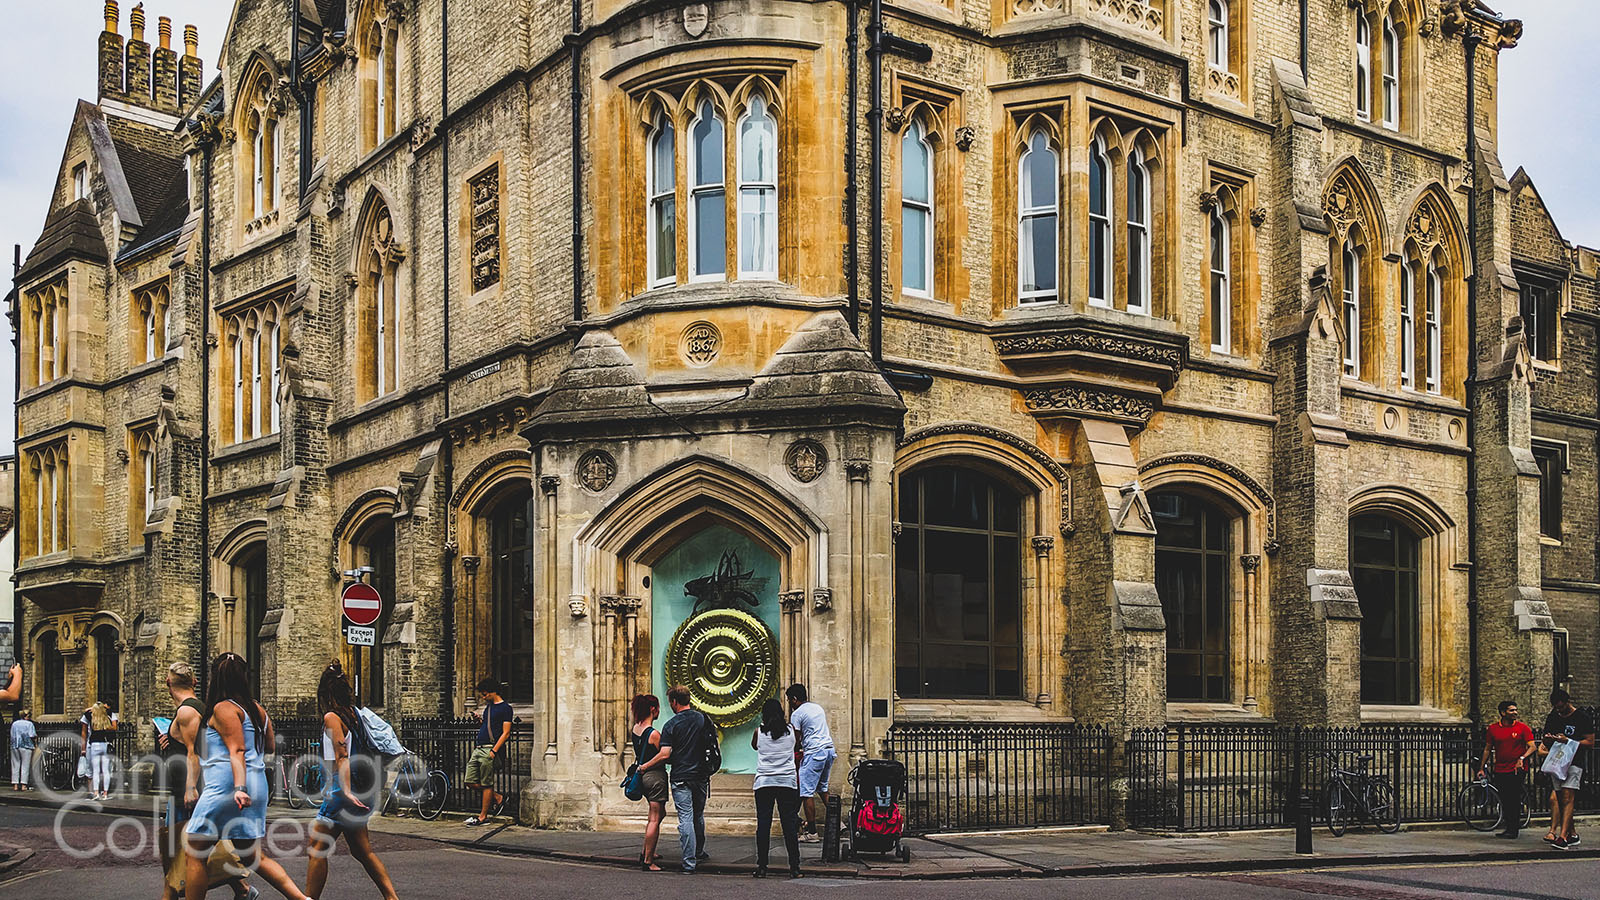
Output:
x,y
233,803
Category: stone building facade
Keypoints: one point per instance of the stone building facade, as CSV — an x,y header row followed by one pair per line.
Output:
x,y
1117,360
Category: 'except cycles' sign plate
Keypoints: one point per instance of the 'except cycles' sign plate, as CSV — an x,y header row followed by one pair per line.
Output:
x,y
361,636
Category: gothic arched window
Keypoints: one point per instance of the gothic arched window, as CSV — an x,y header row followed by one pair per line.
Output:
x,y
661,191
1039,212
758,192
1221,281
1100,266
1138,216
1384,563
1193,565
1217,34
378,329
1363,67
380,69
916,210
708,213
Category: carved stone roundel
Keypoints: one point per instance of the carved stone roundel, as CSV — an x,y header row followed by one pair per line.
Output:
x,y
596,470
806,460
701,344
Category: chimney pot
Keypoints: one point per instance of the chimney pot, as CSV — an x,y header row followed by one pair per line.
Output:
x,y
191,41
164,28
111,16
136,22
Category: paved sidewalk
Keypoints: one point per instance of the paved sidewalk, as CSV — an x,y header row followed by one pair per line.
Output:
x,y
1044,853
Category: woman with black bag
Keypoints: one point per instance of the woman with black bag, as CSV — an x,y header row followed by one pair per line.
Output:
x,y
650,781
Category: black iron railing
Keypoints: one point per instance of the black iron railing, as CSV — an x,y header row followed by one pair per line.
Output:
x,y
1004,775
447,743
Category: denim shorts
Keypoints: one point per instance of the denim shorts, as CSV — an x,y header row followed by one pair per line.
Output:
x,y
337,810
814,769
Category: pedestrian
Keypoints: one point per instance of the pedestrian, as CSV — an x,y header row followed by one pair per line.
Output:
x,y
1506,749
776,783
493,732
24,737
99,729
12,692
233,804
689,747
357,778
652,778
1566,722
183,791
816,754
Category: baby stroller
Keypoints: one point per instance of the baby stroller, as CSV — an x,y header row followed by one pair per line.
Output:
x,y
876,823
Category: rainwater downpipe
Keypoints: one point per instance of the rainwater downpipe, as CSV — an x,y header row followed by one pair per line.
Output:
x,y
18,623
1305,40
852,218
1469,43
201,670
575,51
447,563
875,199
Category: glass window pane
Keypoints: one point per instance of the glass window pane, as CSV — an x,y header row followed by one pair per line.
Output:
x,y
914,165
956,587
1136,178
758,223
711,233
758,145
914,248
1007,511
956,670
955,497
907,585
1038,274
1097,183
907,671
1039,175
666,236
663,161
1007,590
1098,239
708,147
1007,672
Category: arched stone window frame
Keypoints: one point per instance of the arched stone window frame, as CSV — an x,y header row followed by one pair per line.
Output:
x,y
1040,145
920,205
1253,540
1042,485
378,49
105,632
236,629
1363,62
48,653
250,366
372,509
1228,204
258,104
147,323
142,480
1431,256
489,482
44,324
1441,590
1127,146
1356,246
46,497
376,266
939,110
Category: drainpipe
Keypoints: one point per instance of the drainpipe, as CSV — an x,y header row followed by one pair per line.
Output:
x,y
852,259
1305,39
1469,43
205,414
875,200
447,564
18,629
575,51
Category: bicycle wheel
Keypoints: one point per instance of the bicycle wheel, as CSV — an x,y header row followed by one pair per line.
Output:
x,y
1527,803
1339,801
1382,808
1479,805
306,782
431,799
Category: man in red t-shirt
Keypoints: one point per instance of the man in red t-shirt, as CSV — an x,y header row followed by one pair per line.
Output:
x,y
1509,744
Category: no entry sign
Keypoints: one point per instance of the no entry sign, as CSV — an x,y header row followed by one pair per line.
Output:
x,y
361,602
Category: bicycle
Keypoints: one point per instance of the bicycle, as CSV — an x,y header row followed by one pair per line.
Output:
x,y
1360,793
302,781
1478,803
57,764
425,790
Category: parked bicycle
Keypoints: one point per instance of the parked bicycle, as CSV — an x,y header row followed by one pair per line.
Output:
x,y
56,763
417,787
1479,803
1356,793
301,780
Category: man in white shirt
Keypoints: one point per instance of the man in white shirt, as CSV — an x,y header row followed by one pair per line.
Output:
x,y
816,754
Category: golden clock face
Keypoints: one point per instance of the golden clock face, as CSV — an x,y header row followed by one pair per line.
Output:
x,y
729,660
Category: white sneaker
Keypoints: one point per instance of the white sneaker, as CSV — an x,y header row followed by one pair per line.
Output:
x,y
473,821
810,837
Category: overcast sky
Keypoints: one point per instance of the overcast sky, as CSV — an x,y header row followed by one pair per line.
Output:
x,y
1549,114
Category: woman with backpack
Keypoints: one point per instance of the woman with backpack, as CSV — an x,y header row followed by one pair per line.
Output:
x,y
357,779
653,781
776,783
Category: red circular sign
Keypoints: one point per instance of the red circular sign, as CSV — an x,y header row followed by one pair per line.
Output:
x,y
362,604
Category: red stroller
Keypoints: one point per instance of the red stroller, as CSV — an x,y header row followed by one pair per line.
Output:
x,y
876,823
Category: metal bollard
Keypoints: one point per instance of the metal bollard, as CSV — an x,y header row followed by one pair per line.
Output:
x,y
830,830
1302,825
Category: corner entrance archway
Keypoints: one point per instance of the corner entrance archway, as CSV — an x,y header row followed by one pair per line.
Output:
x,y
703,594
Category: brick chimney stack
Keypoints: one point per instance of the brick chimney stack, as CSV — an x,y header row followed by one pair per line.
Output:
x,y
190,69
164,70
138,70
111,55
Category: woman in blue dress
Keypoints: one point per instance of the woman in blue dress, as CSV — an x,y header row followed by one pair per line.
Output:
x,y
233,803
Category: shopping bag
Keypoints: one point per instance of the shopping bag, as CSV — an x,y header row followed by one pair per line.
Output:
x,y
83,767
1559,760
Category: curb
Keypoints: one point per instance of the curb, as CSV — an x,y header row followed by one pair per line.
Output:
x,y
11,857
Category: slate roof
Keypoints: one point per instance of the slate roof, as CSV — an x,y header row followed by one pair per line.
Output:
x,y
152,160
71,231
